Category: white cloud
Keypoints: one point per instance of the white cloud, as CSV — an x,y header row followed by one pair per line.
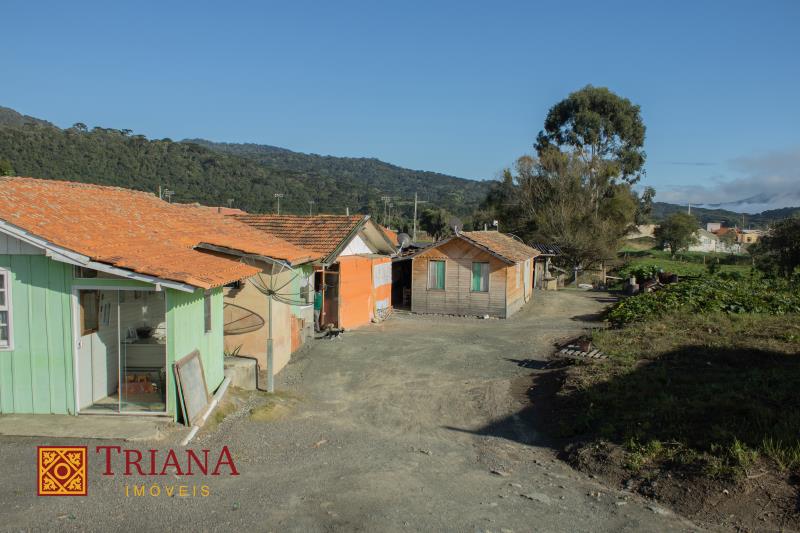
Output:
x,y
767,181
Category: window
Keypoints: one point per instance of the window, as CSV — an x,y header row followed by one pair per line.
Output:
x,y
90,315
207,311
518,274
436,275
480,277
5,310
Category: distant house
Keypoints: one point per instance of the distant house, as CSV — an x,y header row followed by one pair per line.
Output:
x,y
103,289
713,226
473,273
705,241
750,236
710,242
354,273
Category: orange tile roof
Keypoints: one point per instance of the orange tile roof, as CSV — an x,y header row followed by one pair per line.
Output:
x,y
320,233
137,231
391,234
501,244
215,209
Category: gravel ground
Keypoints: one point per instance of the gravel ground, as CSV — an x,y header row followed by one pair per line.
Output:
x,y
380,430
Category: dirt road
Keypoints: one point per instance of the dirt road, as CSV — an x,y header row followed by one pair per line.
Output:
x,y
404,426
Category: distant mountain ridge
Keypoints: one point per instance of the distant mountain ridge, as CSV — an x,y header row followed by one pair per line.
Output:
x,y
662,210
245,176
250,175
10,117
369,172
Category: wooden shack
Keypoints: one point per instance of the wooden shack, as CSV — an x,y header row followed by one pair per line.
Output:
x,y
473,273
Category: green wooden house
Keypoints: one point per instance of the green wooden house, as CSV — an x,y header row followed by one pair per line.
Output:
x,y
102,289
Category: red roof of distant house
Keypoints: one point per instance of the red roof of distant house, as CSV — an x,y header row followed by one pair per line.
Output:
x,y
320,233
392,235
219,209
723,231
136,231
500,244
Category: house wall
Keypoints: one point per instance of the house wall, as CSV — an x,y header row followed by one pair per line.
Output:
x,y
37,375
457,297
361,293
355,247
517,296
292,322
355,291
186,333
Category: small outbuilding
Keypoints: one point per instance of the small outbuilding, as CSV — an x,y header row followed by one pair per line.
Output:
x,y
354,274
473,273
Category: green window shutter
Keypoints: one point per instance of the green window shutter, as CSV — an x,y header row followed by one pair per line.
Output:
x,y
480,277
436,274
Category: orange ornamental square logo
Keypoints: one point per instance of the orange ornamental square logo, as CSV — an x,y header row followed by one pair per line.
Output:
x,y
62,471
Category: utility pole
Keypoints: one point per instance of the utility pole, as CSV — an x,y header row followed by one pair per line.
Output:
x,y
347,211
310,207
385,203
690,209
414,233
278,195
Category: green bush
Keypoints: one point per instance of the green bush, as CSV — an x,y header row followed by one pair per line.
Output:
x,y
709,295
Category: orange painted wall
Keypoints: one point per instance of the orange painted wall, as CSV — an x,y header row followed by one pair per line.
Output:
x,y
357,297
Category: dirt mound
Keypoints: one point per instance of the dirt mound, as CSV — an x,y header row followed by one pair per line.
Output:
x,y
763,500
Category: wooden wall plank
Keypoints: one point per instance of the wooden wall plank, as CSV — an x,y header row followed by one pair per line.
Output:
x,y
458,298
20,357
38,320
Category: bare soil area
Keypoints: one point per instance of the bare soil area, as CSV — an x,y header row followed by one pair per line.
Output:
x,y
701,417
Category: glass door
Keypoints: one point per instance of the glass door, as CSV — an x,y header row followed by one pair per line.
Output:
x,y
122,351
143,351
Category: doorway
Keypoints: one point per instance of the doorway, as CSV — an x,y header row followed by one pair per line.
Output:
x,y
401,284
121,351
328,281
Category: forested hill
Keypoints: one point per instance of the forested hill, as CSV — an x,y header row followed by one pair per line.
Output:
x,y
661,210
9,117
33,147
442,190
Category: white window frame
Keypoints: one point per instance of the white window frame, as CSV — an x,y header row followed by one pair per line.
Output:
x,y
8,308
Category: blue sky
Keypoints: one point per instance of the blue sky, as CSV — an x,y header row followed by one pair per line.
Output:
x,y
456,87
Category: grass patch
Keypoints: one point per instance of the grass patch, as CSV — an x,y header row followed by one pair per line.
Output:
x,y
711,392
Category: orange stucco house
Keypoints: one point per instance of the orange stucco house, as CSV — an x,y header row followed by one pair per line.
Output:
x,y
355,272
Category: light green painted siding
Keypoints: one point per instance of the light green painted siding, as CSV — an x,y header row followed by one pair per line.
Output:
x,y
304,270
36,377
186,333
